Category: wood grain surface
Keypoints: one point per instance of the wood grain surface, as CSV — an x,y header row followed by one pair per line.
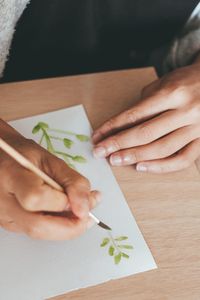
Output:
x,y
166,207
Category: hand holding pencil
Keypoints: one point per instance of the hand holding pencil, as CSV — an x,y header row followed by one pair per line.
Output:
x,y
24,196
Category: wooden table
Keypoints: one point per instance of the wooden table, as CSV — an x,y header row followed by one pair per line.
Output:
x,y
167,207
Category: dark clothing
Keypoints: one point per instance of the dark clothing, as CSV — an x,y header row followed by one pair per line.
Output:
x,y
61,37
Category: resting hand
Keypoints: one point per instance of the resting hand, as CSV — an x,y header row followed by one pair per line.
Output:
x,y
162,132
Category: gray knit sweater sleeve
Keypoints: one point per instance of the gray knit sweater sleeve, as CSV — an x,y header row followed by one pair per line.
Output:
x,y
10,12
186,46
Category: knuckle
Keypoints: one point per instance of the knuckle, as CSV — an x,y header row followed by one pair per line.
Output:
x,y
132,115
192,112
136,156
177,90
81,181
166,150
109,125
145,133
114,143
31,201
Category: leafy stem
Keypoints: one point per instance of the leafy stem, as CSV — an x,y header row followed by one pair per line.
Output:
x,y
80,137
116,248
114,243
68,143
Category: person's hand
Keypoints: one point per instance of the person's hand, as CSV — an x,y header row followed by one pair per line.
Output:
x,y
161,133
30,206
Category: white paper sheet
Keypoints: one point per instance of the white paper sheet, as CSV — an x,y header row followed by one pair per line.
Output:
x,y
37,270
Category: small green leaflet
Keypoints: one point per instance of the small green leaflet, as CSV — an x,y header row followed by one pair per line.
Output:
x,y
79,159
40,125
125,255
68,143
117,258
36,129
111,250
125,246
121,238
43,125
105,242
82,137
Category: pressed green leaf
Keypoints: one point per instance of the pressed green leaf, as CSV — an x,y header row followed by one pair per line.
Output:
x,y
111,250
82,137
125,255
79,159
121,238
117,258
43,125
68,143
125,246
105,242
36,129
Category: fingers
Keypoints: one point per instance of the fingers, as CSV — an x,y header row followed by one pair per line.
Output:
x,y
142,134
47,227
161,148
75,185
34,195
146,109
181,160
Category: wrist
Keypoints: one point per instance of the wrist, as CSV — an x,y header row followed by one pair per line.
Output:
x,y
7,132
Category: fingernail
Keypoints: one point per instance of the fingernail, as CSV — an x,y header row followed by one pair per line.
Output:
x,y
116,160
141,168
99,152
90,223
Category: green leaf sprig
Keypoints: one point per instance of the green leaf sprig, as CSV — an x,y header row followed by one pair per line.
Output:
x,y
116,248
47,135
